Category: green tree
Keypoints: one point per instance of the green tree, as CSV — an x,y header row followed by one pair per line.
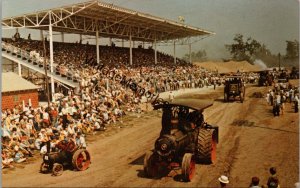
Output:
x,y
243,50
196,56
292,49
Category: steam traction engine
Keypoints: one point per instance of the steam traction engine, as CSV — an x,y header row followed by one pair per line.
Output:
x,y
234,87
185,139
68,155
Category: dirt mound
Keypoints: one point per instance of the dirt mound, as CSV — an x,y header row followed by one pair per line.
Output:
x,y
230,66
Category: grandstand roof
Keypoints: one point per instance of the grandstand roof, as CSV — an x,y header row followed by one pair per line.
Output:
x,y
110,20
12,82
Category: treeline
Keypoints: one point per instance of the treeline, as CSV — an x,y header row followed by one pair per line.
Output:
x,y
250,49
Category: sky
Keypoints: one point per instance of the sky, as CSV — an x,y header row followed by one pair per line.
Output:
x,y
270,22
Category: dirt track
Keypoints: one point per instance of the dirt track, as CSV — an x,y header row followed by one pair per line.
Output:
x,y
251,141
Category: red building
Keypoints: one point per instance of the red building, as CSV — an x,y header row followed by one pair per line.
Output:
x,y
16,89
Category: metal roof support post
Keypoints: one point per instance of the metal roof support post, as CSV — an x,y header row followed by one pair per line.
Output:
x,y
174,52
20,69
130,49
155,51
41,34
97,46
62,37
51,57
190,52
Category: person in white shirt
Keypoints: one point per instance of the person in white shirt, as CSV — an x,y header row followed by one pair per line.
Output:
x,y
80,140
46,118
64,112
171,96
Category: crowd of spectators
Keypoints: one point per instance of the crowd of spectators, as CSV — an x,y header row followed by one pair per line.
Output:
x,y
99,100
70,117
282,93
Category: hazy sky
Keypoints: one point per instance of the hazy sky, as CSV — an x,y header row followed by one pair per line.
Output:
x,y
271,22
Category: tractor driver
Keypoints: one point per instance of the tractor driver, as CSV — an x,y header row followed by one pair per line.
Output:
x,y
196,118
193,120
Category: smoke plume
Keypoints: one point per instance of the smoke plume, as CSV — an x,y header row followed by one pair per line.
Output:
x,y
260,63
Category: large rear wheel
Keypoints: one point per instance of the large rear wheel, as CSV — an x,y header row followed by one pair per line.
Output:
x,y
188,167
81,159
206,147
150,166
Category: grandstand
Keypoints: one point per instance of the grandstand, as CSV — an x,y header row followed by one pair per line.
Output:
x,y
99,19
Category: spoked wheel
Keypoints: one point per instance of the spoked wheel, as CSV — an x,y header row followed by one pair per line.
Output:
x,y
188,167
150,168
206,147
57,169
81,159
44,168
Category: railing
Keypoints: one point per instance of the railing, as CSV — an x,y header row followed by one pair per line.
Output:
x,y
38,60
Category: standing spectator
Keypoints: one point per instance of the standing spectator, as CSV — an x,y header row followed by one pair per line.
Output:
x,y
215,83
273,181
268,98
17,36
272,94
64,112
296,102
54,115
46,117
255,183
292,92
277,105
223,181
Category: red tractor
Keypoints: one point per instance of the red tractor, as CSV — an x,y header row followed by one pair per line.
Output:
x,y
185,139
68,155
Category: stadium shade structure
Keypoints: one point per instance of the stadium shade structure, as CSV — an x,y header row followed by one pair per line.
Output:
x,y
97,18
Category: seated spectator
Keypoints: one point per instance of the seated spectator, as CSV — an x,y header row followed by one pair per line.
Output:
x,y
80,140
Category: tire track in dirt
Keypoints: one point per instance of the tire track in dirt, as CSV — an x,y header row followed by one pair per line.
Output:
x,y
225,115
